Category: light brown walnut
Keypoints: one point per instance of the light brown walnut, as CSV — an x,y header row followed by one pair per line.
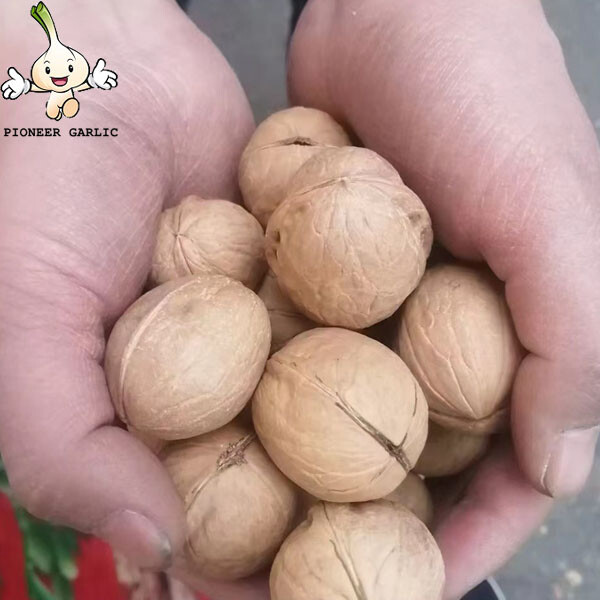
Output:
x,y
341,415
209,236
286,320
449,451
279,147
374,550
185,358
413,494
457,337
350,241
239,507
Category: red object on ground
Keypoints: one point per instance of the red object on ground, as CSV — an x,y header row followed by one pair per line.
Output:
x,y
97,576
97,579
12,563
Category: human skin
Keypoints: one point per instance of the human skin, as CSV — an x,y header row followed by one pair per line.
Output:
x,y
471,101
78,219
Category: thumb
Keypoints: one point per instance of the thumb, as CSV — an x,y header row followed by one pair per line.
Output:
x,y
13,73
100,65
555,418
66,461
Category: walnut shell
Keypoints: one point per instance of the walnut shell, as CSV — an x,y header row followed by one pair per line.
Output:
x,y
185,358
357,551
340,415
286,320
350,242
239,507
413,494
449,451
209,236
457,337
279,147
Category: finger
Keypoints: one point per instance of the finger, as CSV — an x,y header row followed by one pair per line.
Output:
x,y
498,512
556,398
110,74
493,159
5,85
6,93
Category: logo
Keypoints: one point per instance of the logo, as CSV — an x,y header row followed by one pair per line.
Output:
x,y
61,72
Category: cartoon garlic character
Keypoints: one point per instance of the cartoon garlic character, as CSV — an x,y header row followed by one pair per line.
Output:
x,y
61,71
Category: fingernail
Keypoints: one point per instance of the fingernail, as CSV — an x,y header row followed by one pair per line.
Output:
x,y
570,462
137,538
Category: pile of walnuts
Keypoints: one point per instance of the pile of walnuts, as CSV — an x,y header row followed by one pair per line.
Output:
x,y
322,477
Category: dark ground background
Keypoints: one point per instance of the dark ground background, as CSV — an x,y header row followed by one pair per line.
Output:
x,y
562,561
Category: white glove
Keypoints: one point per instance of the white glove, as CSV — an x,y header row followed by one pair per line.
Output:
x,y
102,78
16,86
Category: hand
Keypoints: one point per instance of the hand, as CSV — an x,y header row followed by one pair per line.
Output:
x,y
16,86
102,78
77,223
472,103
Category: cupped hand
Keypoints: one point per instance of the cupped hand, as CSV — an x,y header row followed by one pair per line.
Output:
x,y
472,102
77,223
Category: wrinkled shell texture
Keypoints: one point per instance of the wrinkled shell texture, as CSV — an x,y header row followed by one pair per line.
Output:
x,y
239,507
279,147
340,415
350,242
457,337
209,236
185,358
413,494
286,321
449,452
371,551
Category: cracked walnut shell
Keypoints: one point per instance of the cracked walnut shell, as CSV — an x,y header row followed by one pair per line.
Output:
x,y
239,507
457,337
279,147
350,241
185,358
358,551
341,415
209,236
